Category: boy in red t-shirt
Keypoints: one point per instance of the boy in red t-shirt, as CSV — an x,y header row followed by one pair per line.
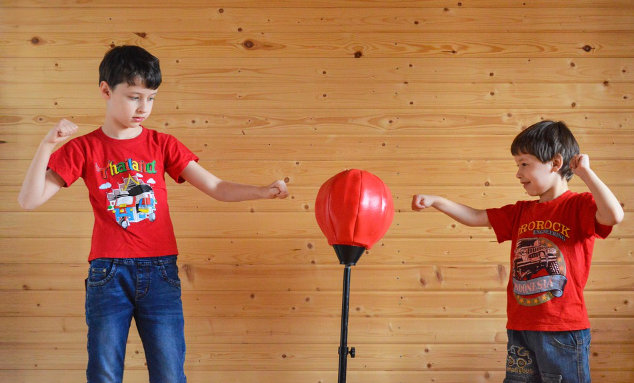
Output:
x,y
552,241
133,272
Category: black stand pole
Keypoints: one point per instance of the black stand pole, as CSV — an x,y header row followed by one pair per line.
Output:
x,y
348,255
343,345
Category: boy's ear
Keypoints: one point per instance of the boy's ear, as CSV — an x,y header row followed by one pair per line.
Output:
x,y
558,162
105,90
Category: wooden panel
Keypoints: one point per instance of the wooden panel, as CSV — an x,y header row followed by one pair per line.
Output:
x,y
269,71
373,148
63,376
330,3
249,225
426,94
189,96
256,304
313,278
327,44
275,357
184,197
490,173
311,250
364,330
311,122
343,20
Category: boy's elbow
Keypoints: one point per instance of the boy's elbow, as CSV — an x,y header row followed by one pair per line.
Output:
x,y
614,219
26,205
618,218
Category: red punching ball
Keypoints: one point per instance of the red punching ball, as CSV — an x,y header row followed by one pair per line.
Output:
x,y
354,209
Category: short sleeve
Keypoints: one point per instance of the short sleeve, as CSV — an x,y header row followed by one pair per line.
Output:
x,y
587,208
69,162
501,220
177,157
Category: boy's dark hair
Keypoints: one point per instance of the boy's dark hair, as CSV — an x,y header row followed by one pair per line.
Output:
x,y
129,63
545,140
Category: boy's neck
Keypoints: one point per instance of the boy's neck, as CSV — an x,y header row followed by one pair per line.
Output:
x,y
120,133
555,191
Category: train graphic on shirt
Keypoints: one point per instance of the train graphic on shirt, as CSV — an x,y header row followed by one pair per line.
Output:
x,y
133,201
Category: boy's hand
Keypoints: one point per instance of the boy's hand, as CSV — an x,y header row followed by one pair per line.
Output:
x,y
60,132
422,201
580,163
277,190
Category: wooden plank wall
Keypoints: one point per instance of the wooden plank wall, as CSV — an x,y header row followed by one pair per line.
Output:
x,y
425,94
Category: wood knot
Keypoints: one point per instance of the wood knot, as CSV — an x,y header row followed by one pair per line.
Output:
x,y
35,40
358,54
141,34
248,44
587,48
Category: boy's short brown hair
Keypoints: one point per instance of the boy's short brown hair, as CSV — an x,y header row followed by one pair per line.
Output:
x,y
545,140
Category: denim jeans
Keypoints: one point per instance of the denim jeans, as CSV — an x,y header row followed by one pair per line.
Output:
x,y
148,290
548,356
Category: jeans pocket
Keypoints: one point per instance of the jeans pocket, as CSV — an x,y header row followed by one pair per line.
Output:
x,y
101,271
568,340
169,273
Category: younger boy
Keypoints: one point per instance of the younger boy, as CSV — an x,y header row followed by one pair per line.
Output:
x,y
133,272
552,241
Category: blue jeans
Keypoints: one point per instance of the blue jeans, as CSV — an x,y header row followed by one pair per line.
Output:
x,y
548,356
148,290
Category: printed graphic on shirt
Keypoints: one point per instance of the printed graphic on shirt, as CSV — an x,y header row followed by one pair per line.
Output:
x,y
539,271
133,200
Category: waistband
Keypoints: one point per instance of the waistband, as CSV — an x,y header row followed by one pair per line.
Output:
x,y
163,260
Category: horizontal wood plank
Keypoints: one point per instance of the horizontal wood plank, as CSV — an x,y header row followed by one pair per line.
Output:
x,y
196,277
490,304
370,148
309,122
254,4
432,173
267,71
363,330
63,376
276,357
183,197
249,225
307,251
190,96
328,44
289,20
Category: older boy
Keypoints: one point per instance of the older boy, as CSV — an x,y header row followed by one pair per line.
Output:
x,y
133,272
552,240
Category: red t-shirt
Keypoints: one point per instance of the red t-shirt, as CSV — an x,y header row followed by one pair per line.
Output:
x,y
126,186
551,252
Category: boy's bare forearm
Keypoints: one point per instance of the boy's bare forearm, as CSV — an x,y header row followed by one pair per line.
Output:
x,y
464,214
34,191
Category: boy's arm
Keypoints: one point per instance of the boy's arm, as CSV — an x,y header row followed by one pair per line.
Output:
x,y
229,191
609,210
39,183
462,213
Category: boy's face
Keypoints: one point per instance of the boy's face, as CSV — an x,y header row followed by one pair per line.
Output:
x,y
127,106
535,176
